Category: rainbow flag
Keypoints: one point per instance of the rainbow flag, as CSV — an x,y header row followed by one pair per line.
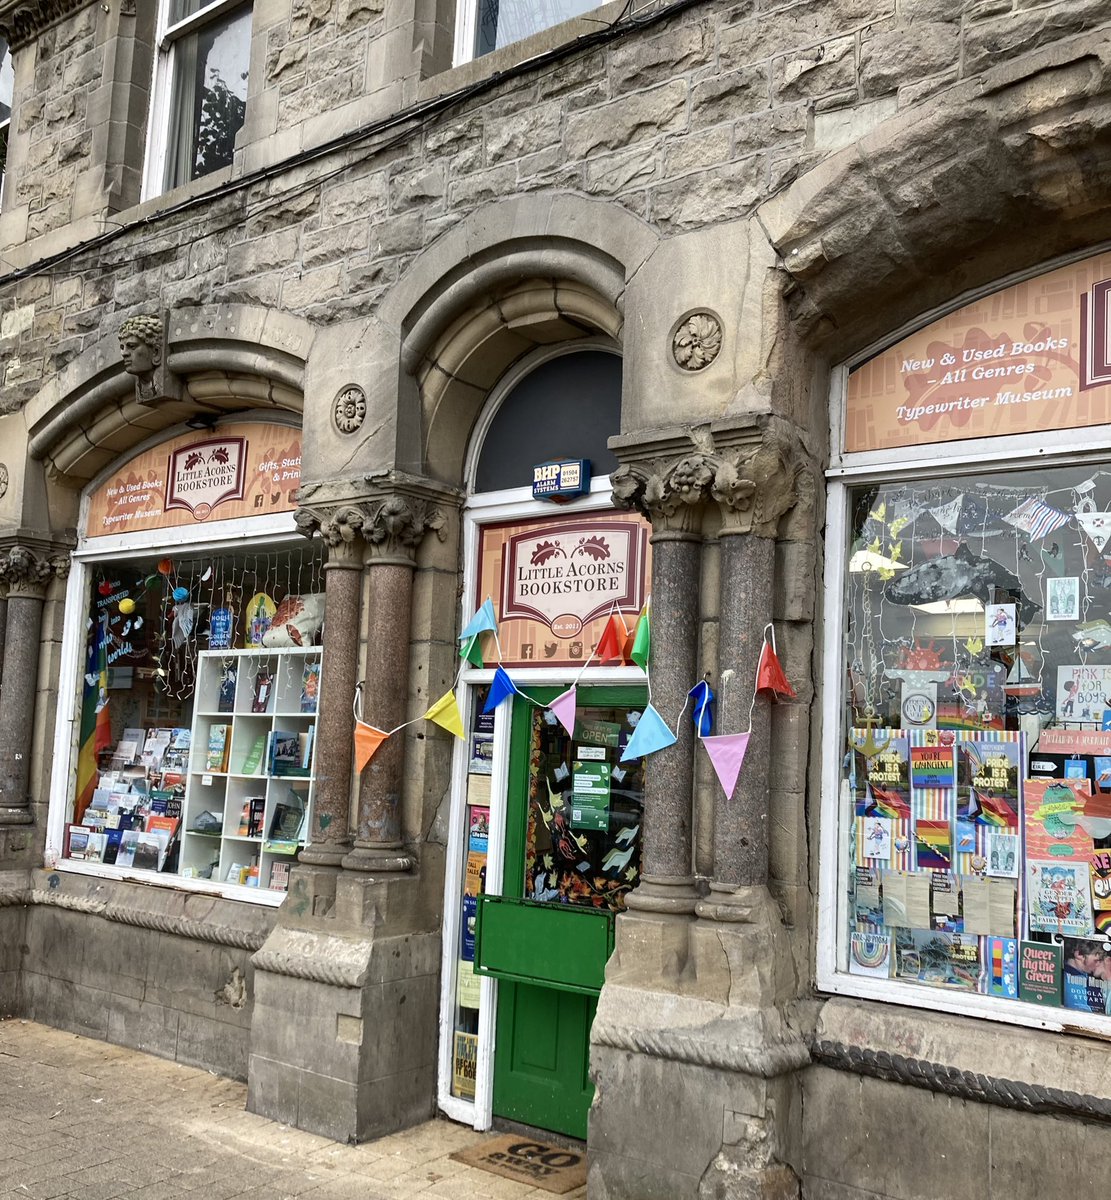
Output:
x,y
96,725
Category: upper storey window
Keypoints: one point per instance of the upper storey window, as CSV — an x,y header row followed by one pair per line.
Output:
x,y
7,87
200,96
486,25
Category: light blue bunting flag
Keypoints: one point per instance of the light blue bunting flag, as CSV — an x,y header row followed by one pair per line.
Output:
x,y
651,734
483,621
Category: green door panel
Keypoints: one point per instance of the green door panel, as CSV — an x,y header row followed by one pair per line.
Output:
x,y
542,1057
560,946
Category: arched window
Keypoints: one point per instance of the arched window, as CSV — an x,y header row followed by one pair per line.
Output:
x,y
566,407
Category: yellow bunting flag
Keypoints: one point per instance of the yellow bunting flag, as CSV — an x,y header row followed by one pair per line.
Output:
x,y
445,712
367,741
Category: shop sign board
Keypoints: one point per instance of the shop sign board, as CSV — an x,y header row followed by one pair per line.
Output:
x,y
245,469
555,583
1033,356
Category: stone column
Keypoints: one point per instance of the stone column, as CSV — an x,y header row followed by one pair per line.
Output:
x,y
755,487
341,528
26,573
671,494
3,627
394,528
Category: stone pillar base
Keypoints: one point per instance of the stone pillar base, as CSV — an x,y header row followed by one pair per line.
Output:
x,y
345,1020
16,816
694,1063
380,859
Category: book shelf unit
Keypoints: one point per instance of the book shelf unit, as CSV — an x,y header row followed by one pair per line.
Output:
x,y
223,793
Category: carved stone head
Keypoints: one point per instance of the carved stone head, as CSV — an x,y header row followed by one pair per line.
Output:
x,y
141,340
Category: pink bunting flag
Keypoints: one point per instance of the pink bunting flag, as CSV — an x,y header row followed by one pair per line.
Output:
x,y
564,707
727,752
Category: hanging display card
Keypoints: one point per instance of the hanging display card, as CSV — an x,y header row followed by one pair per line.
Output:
x,y
932,767
590,795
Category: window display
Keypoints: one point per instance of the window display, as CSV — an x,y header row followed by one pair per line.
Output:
x,y
198,714
975,796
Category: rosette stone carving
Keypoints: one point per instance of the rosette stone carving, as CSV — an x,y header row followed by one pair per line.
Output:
x,y
697,341
349,410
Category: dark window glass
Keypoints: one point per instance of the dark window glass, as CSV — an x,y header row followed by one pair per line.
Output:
x,y
567,408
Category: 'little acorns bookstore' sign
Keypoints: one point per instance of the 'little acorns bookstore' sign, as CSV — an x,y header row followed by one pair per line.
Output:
x,y
562,479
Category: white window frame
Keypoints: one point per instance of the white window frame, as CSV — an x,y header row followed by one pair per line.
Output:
x,y
6,125
1063,447
167,36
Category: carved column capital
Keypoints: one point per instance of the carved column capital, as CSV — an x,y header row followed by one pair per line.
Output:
x,y
341,529
397,523
669,491
756,485
27,570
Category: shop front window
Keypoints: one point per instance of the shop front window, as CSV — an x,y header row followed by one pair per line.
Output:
x,y
198,715
975,790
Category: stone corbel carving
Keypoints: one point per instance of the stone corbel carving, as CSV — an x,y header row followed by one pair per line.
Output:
x,y
144,353
27,572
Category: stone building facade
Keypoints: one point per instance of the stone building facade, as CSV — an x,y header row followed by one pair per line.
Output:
x,y
741,198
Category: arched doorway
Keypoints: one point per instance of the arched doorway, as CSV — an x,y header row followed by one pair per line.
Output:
x,y
545,818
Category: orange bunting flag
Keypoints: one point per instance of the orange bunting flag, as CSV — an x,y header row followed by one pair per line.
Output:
x,y
611,645
769,675
367,741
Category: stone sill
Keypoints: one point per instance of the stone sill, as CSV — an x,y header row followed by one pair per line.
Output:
x,y
1066,1061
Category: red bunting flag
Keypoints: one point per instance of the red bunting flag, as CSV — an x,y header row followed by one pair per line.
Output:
x,y
611,645
769,675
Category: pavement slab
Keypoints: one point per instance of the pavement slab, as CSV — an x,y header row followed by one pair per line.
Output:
x,y
86,1120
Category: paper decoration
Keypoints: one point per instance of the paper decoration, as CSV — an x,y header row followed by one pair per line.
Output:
x,y
1097,525
367,741
703,715
182,628
651,734
947,515
483,621
1036,518
501,688
642,641
770,676
445,713
564,706
727,752
611,645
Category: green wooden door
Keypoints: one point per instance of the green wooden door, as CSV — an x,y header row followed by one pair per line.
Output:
x,y
573,824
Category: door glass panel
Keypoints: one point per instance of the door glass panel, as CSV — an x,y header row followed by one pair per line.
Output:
x,y
582,844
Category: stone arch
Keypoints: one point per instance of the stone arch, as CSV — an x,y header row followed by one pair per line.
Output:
x,y
992,176
476,302
231,358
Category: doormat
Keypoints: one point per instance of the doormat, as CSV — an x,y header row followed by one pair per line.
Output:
x,y
515,1157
